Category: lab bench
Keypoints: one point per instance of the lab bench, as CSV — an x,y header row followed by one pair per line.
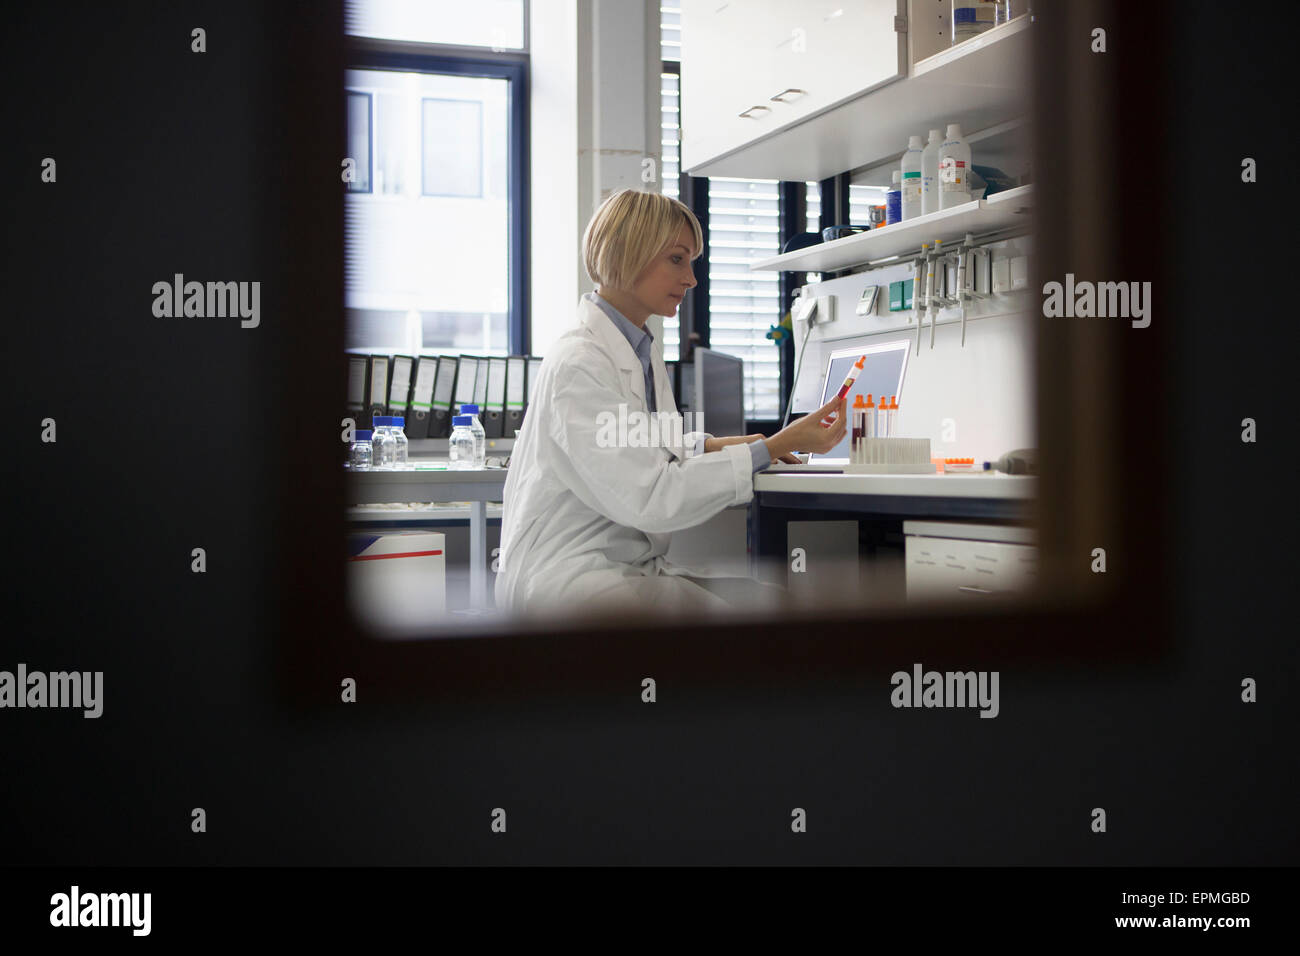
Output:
x,y
477,487
883,500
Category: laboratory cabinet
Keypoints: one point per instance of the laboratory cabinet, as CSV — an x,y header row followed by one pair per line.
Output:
x,y
775,89
953,560
753,67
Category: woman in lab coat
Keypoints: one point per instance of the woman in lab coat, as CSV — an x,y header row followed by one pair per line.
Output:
x,y
591,498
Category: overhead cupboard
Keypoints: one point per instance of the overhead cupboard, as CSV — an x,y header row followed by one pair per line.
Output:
x,y
774,89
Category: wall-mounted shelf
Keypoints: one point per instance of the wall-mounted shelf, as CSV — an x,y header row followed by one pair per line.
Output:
x,y
979,83
1005,210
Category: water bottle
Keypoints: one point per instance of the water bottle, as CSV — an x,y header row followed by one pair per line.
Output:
x,y
461,447
480,436
402,446
383,444
362,453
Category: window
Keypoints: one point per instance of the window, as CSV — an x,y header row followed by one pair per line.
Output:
x,y
434,218
813,219
669,173
744,225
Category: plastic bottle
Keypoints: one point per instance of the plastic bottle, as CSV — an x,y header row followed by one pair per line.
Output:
x,y
461,445
894,200
480,436
362,452
912,178
383,445
954,169
930,173
402,447
892,416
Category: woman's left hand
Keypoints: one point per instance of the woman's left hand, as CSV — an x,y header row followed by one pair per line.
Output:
x,y
714,444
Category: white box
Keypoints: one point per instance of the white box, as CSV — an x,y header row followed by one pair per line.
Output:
x,y
397,581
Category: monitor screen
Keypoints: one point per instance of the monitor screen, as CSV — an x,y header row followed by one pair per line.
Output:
x,y
719,392
882,373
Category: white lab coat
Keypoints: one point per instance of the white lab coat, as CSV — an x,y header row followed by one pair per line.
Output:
x,y
585,525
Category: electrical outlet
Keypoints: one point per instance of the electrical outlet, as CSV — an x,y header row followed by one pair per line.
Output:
x,y
1001,274
1020,272
825,309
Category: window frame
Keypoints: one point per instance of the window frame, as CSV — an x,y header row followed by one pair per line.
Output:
x,y
367,53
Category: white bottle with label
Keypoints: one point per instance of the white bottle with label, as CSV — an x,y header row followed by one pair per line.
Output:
x,y
954,169
930,173
912,179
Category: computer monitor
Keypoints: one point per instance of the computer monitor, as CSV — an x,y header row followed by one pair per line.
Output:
x,y
719,392
882,374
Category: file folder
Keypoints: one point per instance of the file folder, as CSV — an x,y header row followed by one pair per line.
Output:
x,y
443,392
378,387
357,407
514,395
421,417
495,404
481,387
466,379
399,387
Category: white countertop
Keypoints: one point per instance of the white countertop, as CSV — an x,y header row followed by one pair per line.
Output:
x,y
981,485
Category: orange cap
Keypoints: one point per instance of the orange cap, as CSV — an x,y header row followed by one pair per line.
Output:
x,y
857,401
870,403
858,363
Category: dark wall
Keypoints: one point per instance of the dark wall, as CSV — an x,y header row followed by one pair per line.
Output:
x,y
219,166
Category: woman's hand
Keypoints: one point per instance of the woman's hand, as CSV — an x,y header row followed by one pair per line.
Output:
x,y
809,434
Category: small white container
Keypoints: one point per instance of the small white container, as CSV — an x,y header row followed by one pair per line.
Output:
x,y
954,169
911,179
930,173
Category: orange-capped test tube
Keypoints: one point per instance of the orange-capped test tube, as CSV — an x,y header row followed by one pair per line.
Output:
x,y
848,384
851,377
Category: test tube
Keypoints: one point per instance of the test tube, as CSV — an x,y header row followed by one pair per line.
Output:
x,y
859,426
848,384
892,415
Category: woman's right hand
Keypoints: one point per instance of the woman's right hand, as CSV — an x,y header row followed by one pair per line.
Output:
x,y
809,434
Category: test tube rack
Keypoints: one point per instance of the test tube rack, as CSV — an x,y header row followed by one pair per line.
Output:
x,y
890,456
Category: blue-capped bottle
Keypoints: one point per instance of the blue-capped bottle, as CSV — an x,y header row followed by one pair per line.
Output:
x,y
480,436
383,444
461,445
362,452
402,445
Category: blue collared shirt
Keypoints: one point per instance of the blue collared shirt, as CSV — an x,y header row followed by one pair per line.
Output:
x,y
641,341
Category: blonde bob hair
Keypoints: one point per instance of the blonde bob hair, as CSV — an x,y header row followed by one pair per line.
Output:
x,y
629,229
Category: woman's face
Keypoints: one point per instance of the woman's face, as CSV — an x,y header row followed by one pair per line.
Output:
x,y
665,281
